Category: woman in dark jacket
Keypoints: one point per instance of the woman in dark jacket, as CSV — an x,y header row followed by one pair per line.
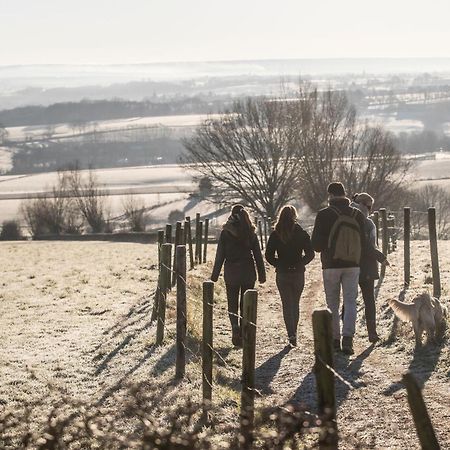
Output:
x,y
289,250
239,249
370,257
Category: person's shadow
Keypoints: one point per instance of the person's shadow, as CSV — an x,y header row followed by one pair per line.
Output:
x,y
265,373
306,393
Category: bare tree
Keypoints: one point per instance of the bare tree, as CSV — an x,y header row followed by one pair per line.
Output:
x,y
250,154
89,197
134,210
3,134
335,146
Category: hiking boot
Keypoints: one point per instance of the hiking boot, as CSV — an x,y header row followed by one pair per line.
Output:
x,y
236,337
373,338
347,345
293,341
372,331
337,345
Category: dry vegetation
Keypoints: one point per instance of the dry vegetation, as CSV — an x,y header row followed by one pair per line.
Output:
x,y
75,324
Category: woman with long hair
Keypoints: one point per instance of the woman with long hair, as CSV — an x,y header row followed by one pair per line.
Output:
x,y
370,257
289,250
238,250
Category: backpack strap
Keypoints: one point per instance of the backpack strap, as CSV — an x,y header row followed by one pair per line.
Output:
x,y
336,210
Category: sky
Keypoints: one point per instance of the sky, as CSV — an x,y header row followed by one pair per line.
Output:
x,y
145,31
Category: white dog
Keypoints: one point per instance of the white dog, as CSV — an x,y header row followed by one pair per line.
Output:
x,y
426,313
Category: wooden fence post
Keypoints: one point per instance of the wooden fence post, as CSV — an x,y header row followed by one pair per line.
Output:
x,y
168,236
188,233
424,427
248,365
207,343
158,285
265,229
323,350
434,252
384,231
178,241
180,365
197,240
200,241
407,244
166,255
261,237
205,244
376,220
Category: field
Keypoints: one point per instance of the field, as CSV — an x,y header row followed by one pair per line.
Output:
x,y
76,322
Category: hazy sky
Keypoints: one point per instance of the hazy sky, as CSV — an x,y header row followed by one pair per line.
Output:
x,y
133,31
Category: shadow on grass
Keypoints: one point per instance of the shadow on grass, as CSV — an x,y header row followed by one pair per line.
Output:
x,y
265,373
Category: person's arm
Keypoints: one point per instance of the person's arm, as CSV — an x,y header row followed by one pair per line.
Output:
x,y
308,249
256,249
220,258
270,250
319,237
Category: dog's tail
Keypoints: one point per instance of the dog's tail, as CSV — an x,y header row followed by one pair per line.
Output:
x,y
404,311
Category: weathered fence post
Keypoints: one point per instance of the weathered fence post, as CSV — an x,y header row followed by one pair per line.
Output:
x,y
178,241
180,365
168,236
434,252
207,344
376,221
261,237
265,229
158,285
248,365
166,255
205,245
407,244
200,241
197,239
188,233
384,231
424,427
323,350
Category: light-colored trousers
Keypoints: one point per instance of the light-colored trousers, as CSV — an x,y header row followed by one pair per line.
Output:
x,y
333,279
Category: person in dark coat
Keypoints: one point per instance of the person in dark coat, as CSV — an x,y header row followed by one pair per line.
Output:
x,y
289,250
238,250
370,258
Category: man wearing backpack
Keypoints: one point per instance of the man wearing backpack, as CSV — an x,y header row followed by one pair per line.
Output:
x,y
339,237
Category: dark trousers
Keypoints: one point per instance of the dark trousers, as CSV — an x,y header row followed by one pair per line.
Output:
x,y
235,297
368,294
290,286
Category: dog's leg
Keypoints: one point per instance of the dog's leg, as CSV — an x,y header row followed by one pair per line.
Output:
x,y
418,334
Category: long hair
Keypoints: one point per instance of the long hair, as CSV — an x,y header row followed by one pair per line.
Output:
x,y
242,223
286,223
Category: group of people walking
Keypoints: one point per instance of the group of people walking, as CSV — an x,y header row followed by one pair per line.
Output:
x,y
345,237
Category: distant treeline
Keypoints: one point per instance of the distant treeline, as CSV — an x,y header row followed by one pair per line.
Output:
x,y
77,113
422,142
55,156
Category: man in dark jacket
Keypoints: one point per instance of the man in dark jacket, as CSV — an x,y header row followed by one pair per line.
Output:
x,y
339,272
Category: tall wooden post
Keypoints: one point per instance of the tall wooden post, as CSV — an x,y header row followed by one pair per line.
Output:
x,y
205,244
168,233
180,364
178,241
323,350
200,241
248,365
166,255
376,221
265,229
207,342
434,252
188,232
158,286
407,244
424,427
384,231
197,239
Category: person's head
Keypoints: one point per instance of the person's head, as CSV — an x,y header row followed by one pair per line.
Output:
x,y
244,225
286,222
336,190
364,199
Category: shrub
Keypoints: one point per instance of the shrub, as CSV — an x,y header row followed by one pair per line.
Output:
x,y
134,212
175,216
10,231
